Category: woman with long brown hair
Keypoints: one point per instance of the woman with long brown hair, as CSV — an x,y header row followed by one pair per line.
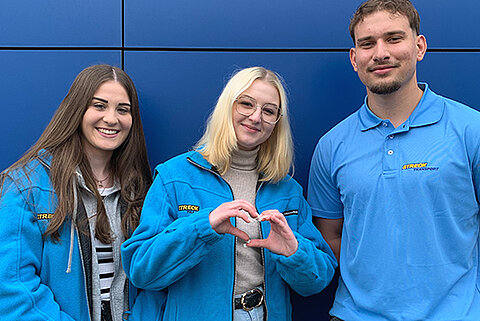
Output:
x,y
69,203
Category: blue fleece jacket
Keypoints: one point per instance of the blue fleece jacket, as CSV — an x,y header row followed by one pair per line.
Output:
x,y
175,247
34,284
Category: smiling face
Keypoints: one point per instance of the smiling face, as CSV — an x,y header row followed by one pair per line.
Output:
x,y
107,120
386,52
251,131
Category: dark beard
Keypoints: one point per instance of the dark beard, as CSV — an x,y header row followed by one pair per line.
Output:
x,y
385,89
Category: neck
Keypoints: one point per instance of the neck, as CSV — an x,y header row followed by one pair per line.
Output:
x,y
245,159
100,166
397,106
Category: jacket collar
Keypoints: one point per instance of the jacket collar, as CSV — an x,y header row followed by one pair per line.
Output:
x,y
198,159
45,158
428,112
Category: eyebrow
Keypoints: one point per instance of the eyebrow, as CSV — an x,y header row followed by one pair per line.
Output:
x,y
390,33
106,102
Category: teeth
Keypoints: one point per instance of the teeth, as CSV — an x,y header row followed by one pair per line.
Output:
x,y
107,131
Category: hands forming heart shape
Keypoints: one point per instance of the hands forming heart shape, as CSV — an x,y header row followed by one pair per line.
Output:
x,y
281,239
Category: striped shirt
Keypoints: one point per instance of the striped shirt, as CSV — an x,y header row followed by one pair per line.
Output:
x,y
106,268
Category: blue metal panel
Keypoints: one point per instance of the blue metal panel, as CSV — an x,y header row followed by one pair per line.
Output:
x,y
237,23
33,85
453,75
450,24
65,23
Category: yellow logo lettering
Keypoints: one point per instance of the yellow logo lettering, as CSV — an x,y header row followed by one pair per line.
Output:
x,y
189,208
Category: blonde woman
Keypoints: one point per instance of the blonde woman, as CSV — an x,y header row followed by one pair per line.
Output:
x,y
224,228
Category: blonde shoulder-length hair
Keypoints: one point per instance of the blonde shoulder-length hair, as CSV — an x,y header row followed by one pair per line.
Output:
x,y
275,155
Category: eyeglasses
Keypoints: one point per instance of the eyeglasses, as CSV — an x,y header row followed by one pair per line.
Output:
x,y
247,106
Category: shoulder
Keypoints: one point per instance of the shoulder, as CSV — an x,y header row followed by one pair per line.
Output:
x,y
341,131
463,120
35,173
288,185
186,167
453,110
182,161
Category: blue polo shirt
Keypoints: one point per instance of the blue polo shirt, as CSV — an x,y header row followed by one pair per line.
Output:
x,y
409,197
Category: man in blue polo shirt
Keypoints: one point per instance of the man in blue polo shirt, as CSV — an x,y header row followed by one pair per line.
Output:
x,y
395,187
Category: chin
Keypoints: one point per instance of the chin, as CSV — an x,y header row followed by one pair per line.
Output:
x,y
385,88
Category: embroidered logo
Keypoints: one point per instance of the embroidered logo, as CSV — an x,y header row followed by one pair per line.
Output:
x,y
189,208
44,216
290,212
419,167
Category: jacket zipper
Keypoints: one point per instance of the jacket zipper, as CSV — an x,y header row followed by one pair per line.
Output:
x,y
234,242
265,317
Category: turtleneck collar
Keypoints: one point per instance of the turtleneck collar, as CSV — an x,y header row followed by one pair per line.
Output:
x,y
245,160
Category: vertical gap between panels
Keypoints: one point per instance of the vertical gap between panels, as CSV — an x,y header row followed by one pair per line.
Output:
x,y
123,35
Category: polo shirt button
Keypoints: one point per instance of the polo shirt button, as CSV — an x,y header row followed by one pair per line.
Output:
x,y
385,125
390,152
391,136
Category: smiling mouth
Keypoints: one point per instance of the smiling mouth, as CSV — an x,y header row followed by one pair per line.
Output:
x,y
250,128
108,131
380,68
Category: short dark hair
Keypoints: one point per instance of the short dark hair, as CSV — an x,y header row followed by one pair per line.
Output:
x,y
402,7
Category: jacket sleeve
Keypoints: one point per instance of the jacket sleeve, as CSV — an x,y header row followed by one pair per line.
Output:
x,y
311,268
23,296
164,247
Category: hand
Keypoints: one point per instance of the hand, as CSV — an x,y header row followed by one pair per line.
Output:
x,y
281,239
220,217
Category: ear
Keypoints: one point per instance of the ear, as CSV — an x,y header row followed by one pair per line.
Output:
x,y
353,59
421,43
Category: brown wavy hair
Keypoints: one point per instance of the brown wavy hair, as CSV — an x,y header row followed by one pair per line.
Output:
x,y
402,7
62,140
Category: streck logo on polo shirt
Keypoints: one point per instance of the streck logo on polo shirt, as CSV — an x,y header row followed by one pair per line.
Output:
x,y
423,166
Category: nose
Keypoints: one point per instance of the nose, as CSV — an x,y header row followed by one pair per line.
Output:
x,y
256,117
381,52
110,116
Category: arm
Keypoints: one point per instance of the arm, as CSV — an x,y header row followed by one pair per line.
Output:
x,y
324,197
164,247
23,296
331,230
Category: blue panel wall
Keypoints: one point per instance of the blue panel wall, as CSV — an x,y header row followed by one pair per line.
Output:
x,y
180,54
66,23
236,24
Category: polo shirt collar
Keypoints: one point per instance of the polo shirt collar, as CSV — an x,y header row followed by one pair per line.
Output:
x,y
428,111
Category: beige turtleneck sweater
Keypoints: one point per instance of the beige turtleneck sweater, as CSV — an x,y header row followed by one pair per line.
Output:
x,y
242,176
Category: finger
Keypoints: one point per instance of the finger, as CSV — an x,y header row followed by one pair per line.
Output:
x,y
246,206
258,243
243,215
239,233
265,216
278,220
